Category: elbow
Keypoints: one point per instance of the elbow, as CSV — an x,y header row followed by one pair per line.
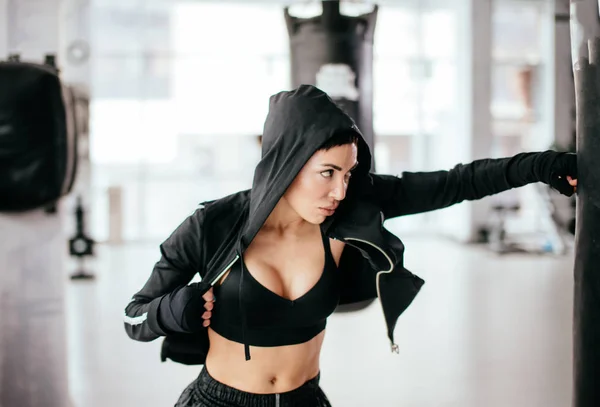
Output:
x,y
141,321
133,326
137,328
139,336
131,332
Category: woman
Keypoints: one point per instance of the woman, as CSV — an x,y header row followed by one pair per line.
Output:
x,y
277,260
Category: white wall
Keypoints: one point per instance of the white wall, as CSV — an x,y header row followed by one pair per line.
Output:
x,y
74,39
3,28
32,27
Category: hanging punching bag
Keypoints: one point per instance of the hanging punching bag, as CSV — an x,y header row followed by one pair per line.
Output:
x,y
585,40
38,144
335,53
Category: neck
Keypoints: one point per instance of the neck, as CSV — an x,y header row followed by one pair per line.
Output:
x,y
283,220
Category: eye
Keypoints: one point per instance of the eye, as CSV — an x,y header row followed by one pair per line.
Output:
x,y
327,174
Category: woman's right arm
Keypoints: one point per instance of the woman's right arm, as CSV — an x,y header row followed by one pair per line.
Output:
x,y
165,303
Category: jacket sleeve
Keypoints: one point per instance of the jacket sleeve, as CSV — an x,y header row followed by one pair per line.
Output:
x,y
181,258
417,192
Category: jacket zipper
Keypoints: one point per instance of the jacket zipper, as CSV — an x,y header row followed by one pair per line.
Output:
x,y
212,283
395,347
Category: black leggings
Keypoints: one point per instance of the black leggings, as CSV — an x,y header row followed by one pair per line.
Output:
x,y
207,392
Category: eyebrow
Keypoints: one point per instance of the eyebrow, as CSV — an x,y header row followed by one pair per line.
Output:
x,y
336,167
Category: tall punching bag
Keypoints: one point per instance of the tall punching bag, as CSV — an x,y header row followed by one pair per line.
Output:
x,y
585,41
335,53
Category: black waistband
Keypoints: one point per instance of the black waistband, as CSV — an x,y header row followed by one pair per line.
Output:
x,y
206,384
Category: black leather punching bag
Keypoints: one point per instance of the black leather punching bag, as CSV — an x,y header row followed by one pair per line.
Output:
x,y
38,143
585,31
335,53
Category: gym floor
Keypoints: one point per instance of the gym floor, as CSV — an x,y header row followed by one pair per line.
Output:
x,y
484,331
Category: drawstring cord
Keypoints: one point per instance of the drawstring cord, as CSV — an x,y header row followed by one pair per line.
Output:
x,y
242,308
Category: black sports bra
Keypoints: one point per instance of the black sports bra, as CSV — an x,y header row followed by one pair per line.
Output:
x,y
247,312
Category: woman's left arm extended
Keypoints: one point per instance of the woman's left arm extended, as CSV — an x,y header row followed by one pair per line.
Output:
x,y
417,192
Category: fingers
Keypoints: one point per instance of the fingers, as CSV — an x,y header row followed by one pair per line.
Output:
x,y
208,305
209,296
210,299
572,182
206,316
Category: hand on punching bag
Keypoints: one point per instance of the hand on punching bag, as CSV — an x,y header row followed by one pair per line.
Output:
x,y
553,168
563,175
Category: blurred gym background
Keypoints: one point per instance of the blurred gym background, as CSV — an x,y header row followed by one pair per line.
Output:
x,y
168,100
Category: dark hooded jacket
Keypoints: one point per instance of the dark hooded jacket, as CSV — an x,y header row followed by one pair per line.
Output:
x,y
210,240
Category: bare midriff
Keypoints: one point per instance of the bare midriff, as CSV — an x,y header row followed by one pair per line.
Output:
x,y
270,370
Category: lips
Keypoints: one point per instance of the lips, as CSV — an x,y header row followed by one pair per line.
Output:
x,y
328,210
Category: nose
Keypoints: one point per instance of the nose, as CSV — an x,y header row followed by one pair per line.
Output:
x,y
339,192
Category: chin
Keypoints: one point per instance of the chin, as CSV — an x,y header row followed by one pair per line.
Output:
x,y
316,220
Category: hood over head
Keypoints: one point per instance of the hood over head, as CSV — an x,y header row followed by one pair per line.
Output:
x,y
299,122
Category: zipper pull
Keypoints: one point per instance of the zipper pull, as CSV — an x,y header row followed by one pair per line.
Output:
x,y
395,348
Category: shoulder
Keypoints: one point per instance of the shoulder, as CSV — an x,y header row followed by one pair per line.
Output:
x,y
381,183
227,208
372,190
229,202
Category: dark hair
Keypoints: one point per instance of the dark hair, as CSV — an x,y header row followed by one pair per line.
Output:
x,y
340,138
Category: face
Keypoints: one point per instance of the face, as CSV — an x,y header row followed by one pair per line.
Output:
x,y
322,183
